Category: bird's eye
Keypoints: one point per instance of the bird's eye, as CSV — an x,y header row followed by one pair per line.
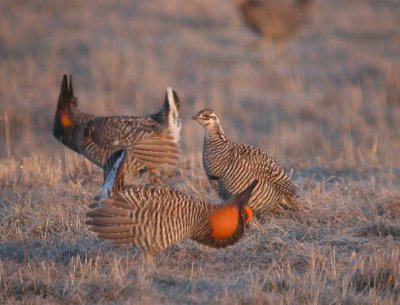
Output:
x,y
206,116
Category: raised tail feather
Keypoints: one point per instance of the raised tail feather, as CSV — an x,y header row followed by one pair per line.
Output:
x,y
113,173
172,106
66,97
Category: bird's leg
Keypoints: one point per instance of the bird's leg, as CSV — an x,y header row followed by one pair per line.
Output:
x,y
149,260
145,269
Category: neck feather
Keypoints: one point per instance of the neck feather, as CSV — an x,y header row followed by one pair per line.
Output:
x,y
215,130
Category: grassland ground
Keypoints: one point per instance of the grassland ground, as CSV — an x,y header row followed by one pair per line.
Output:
x,y
326,104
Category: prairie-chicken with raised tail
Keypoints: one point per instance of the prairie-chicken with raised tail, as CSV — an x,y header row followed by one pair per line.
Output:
x,y
151,140
274,20
154,217
230,168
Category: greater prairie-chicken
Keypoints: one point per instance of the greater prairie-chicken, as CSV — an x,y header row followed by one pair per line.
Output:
x,y
275,21
151,140
154,217
230,168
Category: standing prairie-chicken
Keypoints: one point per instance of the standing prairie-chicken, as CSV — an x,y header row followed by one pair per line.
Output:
x,y
230,168
151,140
274,20
154,217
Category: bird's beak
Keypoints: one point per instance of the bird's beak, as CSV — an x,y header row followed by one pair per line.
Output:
x,y
194,117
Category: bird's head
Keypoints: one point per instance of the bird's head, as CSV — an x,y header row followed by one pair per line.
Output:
x,y
206,118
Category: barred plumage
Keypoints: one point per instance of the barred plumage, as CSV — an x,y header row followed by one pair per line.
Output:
x,y
153,217
151,140
231,167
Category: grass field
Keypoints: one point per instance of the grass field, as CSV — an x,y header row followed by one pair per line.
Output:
x,y
326,104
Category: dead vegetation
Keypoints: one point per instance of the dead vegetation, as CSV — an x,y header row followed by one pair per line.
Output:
x,y
326,105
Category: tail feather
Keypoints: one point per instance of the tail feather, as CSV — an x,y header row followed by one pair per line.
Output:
x,y
114,220
113,171
66,97
172,106
157,150
163,144
168,153
101,220
110,203
111,229
107,211
154,159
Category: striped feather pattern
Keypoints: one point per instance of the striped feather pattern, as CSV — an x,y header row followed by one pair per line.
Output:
x,y
231,167
153,217
151,140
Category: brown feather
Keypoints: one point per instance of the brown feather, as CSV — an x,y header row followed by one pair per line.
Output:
x,y
150,140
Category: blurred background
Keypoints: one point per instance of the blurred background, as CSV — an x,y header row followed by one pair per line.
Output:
x,y
315,83
328,94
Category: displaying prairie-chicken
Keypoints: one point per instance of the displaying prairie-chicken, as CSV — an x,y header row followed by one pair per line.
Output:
x,y
151,140
154,217
275,21
230,168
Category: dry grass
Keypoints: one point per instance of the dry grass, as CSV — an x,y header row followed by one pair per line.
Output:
x,y
326,104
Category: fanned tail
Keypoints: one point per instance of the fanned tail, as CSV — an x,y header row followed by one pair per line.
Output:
x,y
156,151
115,220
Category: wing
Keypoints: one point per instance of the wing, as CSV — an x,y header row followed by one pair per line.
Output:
x,y
144,139
123,132
156,150
263,165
